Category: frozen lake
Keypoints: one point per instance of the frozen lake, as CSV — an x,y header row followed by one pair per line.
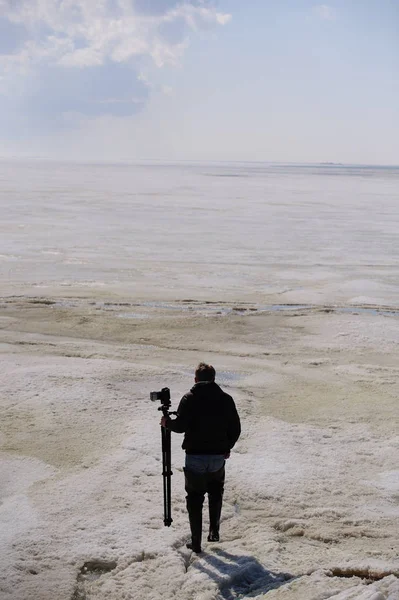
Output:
x,y
116,281
264,233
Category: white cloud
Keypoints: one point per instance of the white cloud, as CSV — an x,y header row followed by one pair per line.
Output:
x,y
197,15
167,90
93,31
112,41
325,12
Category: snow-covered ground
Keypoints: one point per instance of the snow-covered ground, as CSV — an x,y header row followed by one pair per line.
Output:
x,y
116,281
312,496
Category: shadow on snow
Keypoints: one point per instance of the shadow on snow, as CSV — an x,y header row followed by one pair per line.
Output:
x,y
238,576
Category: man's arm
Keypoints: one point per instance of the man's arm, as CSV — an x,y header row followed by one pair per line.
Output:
x,y
178,425
234,425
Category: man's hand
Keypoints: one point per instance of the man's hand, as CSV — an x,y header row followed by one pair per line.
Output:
x,y
163,421
227,455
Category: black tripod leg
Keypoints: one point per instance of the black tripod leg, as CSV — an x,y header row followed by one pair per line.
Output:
x,y
166,472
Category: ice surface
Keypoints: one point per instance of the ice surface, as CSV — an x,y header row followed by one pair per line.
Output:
x,y
117,280
272,234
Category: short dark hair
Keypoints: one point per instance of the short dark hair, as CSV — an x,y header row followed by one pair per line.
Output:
x,y
205,372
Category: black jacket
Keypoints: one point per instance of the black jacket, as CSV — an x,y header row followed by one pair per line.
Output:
x,y
208,417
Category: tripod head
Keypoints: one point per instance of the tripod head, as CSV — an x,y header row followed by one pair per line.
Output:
x,y
164,397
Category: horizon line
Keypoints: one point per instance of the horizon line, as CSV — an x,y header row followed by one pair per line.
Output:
x,y
170,162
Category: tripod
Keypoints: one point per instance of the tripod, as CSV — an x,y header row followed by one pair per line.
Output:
x,y
166,470
164,397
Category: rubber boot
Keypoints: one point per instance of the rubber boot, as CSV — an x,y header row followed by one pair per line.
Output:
x,y
215,509
194,508
215,500
195,484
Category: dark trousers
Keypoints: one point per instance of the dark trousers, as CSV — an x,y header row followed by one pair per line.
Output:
x,y
197,485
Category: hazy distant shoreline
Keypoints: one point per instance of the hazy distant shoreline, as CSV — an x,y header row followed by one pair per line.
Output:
x,y
182,162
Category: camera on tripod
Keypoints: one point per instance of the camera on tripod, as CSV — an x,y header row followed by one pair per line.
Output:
x,y
163,396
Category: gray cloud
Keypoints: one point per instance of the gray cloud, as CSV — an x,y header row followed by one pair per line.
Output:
x,y
159,7
106,89
155,6
12,36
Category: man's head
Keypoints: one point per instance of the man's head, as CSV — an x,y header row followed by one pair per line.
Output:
x,y
204,372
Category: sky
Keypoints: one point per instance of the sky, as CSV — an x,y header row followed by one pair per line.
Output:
x,y
291,81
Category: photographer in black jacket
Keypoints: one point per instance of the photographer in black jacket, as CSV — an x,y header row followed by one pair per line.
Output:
x,y
209,420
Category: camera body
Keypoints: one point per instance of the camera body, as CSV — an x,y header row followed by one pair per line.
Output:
x,y
163,396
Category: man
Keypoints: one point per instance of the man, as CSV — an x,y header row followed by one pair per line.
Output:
x,y
209,420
